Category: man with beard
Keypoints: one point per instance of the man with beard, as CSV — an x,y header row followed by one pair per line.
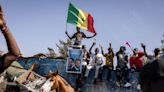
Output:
x,y
13,50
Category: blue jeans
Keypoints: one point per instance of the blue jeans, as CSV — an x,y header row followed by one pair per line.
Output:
x,y
113,79
135,77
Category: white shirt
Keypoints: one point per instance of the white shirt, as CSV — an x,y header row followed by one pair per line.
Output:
x,y
97,59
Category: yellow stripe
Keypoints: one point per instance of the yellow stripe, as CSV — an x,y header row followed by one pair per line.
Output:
x,y
82,20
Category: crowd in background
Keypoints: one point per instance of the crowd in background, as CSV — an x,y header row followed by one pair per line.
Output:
x,y
126,68
121,69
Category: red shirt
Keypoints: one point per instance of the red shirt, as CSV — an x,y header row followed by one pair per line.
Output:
x,y
136,61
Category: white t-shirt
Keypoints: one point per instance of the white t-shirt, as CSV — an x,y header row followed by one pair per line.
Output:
x,y
96,59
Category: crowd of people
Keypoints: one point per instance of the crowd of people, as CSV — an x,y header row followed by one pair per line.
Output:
x,y
127,68
147,69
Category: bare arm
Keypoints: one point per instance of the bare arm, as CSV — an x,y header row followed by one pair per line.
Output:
x,y
11,43
68,35
102,51
144,49
88,37
10,40
111,49
90,50
13,49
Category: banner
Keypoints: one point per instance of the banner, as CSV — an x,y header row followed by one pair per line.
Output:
x,y
74,61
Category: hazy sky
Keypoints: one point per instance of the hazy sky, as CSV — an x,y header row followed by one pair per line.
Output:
x,y
38,24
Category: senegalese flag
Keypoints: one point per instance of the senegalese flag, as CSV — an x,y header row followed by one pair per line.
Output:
x,y
80,18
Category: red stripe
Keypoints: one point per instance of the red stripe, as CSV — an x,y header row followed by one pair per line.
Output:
x,y
90,24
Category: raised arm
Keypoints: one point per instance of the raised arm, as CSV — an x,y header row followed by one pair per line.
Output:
x,y
13,49
144,49
88,37
68,35
102,51
90,50
118,59
10,40
111,49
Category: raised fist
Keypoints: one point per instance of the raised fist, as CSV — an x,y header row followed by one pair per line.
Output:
x,y
94,43
66,32
142,45
2,19
110,44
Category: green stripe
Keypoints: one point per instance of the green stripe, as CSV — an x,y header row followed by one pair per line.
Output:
x,y
73,13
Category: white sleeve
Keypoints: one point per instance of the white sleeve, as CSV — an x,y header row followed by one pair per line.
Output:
x,y
103,60
114,63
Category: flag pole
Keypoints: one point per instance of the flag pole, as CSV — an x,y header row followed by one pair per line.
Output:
x,y
67,16
66,26
127,43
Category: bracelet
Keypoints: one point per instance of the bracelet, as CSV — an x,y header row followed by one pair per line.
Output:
x,y
4,29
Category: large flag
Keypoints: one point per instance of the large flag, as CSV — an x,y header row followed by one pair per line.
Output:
x,y
80,18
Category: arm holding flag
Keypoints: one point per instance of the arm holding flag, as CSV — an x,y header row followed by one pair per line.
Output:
x,y
91,36
90,50
68,35
80,19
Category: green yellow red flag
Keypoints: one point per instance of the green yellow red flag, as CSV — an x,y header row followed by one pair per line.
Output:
x,y
80,18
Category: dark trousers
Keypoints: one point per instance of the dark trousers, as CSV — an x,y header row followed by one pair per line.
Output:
x,y
105,71
122,73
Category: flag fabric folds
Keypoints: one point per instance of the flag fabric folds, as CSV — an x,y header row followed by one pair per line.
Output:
x,y
80,18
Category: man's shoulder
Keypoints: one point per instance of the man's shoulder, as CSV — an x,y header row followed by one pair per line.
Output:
x,y
149,68
132,57
106,54
150,65
117,53
109,55
151,57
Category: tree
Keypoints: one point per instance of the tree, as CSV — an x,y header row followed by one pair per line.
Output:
x,y
51,53
63,47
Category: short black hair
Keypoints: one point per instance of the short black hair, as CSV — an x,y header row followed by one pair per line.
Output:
x,y
157,49
135,49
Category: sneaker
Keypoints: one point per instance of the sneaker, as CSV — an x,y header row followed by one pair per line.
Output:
x,y
79,89
127,85
139,87
117,84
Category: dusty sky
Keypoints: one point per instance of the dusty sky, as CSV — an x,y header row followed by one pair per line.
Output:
x,y
38,24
